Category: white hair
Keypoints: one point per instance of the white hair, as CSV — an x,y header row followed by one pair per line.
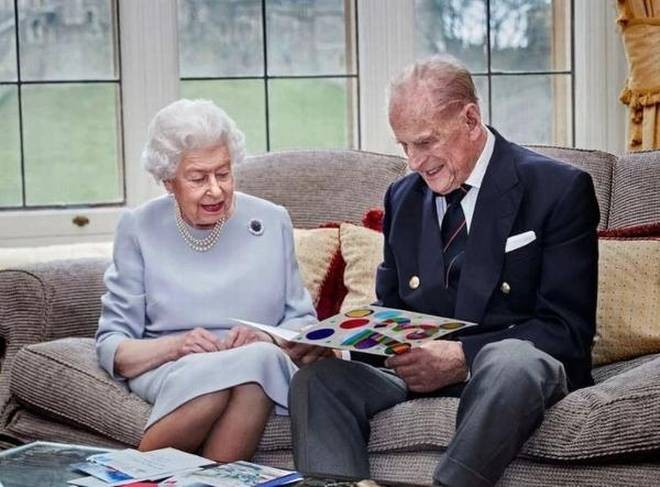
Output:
x,y
444,78
186,125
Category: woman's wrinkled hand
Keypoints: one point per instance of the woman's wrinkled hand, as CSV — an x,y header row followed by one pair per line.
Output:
x,y
243,335
198,340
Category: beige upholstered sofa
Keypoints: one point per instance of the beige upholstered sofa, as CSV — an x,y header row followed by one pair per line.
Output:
x,y
52,388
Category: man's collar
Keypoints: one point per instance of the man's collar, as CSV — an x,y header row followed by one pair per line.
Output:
x,y
477,174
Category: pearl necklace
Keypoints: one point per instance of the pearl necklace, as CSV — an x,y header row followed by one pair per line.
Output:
x,y
197,244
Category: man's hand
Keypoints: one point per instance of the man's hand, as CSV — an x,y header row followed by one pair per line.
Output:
x,y
303,354
198,340
432,366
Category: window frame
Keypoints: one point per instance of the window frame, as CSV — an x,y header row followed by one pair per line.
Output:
x,y
150,80
351,76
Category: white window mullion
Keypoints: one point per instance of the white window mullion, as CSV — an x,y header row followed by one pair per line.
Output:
x,y
150,80
387,44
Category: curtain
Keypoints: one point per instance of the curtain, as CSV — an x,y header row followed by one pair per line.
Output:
x,y
640,27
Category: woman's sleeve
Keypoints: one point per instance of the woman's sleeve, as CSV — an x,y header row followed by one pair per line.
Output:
x,y
123,304
298,308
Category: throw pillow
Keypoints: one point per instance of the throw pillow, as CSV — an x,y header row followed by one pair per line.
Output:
x,y
317,253
628,294
362,250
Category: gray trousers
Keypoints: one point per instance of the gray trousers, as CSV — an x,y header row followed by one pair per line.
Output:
x,y
502,404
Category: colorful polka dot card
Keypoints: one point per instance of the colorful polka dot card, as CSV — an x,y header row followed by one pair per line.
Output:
x,y
376,330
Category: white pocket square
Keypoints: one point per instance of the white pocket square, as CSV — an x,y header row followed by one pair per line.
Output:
x,y
516,241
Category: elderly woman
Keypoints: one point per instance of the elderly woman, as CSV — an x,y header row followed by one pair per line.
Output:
x,y
183,265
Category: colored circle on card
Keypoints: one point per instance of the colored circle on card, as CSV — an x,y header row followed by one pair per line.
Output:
x,y
420,334
359,313
452,325
384,315
399,320
320,334
366,343
397,349
350,324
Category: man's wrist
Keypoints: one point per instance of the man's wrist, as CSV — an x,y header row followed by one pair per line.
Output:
x,y
466,373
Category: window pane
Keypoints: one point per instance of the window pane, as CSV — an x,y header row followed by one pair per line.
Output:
x,y
533,109
220,38
481,84
70,141
7,41
10,156
455,27
66,40
243,100
530,35
308,38
312,113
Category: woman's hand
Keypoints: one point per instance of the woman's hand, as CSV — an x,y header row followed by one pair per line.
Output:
x,y
243,335
198,340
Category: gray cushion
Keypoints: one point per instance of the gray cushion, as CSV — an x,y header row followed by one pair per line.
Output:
x,y
604,372
27,426
63,379
416,468
321,186
598,164
636,190
45,302
616,417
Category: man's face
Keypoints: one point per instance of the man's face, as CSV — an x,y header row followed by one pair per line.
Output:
x,y
442,149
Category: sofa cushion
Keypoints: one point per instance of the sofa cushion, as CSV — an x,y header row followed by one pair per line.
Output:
x,y
598,164
362,251
612,419
616,417
63,379
315,251
636,189
318,186
628,296
46,302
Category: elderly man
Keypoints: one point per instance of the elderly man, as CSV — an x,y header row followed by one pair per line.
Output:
x,y
482,230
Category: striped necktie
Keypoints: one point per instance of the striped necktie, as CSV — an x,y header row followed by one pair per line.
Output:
x,y
454,237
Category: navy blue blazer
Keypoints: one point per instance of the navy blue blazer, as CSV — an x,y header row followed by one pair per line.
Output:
x,y
552,281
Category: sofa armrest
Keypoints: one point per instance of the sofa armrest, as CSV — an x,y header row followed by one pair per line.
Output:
x,y
45,302
615,418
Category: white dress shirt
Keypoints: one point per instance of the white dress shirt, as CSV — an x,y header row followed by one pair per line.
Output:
x,y
469,201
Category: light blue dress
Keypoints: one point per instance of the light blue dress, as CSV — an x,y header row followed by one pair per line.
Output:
x,y
157,285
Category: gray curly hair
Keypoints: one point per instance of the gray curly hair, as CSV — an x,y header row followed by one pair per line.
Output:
x,y
188,125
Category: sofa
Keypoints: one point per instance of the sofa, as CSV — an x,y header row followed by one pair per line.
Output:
x,y
51,386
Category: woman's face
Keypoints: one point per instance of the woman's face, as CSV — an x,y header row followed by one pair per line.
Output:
x,y
203,186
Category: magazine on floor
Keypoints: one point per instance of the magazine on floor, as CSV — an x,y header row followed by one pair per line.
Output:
x,y
125,467
169,467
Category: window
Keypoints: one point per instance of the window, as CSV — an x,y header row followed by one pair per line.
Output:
x,y
285,70
64,132
60,138
520,53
